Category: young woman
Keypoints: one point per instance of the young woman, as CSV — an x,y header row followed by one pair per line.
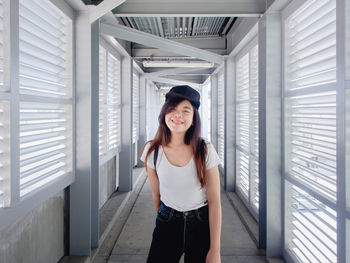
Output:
x,y
185,184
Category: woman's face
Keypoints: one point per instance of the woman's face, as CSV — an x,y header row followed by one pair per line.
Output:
x,y
180,118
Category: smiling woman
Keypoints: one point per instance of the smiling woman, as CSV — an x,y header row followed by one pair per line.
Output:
x,y
185,184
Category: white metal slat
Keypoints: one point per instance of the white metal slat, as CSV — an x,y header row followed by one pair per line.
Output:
x,y
45,70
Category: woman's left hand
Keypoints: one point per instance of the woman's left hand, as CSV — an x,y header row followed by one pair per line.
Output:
x,y
213,256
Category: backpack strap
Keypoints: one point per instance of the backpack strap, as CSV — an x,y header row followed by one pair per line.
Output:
x,y
155,157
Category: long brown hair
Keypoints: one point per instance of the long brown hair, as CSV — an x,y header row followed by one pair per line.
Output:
x,y
192,137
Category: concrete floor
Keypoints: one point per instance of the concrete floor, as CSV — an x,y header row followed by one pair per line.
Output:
x,y
134,239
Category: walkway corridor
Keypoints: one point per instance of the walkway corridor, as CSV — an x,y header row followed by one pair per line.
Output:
x,y
133,242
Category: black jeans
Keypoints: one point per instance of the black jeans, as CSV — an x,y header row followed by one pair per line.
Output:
x,y
180,232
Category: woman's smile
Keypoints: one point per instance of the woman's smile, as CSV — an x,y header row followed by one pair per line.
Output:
x,y
177,122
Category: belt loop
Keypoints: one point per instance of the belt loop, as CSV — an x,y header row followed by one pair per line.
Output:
x,y
197,213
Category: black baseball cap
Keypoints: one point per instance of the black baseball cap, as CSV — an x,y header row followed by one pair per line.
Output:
x,y
185,92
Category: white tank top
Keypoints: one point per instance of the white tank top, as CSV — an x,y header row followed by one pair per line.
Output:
x,y
179,187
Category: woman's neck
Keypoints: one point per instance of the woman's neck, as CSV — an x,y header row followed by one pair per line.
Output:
x,y
177,140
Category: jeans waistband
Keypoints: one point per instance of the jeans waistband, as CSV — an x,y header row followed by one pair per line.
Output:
x,y
186,213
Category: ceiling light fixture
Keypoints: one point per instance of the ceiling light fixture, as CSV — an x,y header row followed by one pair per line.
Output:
x,y
176,64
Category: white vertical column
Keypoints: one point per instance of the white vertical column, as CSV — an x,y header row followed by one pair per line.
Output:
x,y
205,101
230,120
84,191
214,111
142,117
94,133
270,194
347,127
11,55
126,154
341,129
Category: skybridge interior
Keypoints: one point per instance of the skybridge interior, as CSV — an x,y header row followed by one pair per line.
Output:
x,y
82,83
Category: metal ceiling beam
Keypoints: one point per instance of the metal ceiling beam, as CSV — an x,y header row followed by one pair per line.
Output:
x,y
160,26
191,8
110,19
150,40
227,26
173,81
77,5
140,53
103,8
197,42
194,26
171,71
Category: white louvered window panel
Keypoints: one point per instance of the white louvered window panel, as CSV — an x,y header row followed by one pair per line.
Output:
x,y
113,102
209,108
312,233
347,39
312,158
4,154
135,108
310,132
242,167
310,45
102,124
242,125
2,88
347,239
247,125
45,58
221,116
254,127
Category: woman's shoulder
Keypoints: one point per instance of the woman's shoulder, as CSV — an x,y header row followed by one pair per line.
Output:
x,y
147,146
207,142
210,146
212,157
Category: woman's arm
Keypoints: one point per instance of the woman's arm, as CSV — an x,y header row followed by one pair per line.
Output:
x,y
214,203
153,179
